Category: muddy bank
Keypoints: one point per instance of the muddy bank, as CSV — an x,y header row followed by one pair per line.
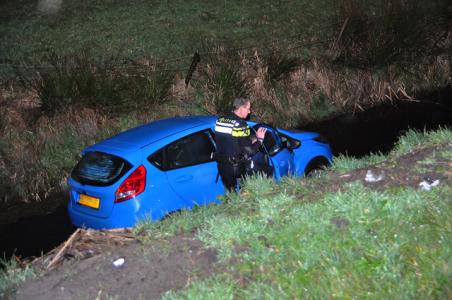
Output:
x,y
149,270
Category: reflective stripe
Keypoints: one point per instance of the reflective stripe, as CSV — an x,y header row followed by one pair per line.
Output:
x,y
224,124
231,126
227,121
241,132
223,129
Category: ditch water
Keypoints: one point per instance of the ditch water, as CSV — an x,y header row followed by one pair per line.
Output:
x,y
375,130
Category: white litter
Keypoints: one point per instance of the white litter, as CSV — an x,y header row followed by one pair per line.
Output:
x,y
371,177
119,262
426,186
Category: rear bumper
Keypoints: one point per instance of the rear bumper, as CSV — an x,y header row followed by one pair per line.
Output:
x,y
123,215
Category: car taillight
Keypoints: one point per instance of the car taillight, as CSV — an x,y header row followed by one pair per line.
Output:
x,y
132,186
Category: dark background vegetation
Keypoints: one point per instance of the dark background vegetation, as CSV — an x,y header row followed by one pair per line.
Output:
x,y
76,73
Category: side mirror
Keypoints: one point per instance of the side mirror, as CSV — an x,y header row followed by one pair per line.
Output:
x,y
286,144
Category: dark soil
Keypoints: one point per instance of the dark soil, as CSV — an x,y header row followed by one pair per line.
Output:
x,y
408,170
148,271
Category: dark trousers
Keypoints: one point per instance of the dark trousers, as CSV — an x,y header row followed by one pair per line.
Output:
x,y
229,174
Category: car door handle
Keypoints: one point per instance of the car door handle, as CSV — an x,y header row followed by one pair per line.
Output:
x,y
184,178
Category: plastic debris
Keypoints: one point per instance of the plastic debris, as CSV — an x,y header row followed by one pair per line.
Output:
x,y
119,262
372,177
428,183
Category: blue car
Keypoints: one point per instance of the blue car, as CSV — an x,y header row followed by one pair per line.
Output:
x,y
167,165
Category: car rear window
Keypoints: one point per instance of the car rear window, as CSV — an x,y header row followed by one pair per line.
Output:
x,y
100,169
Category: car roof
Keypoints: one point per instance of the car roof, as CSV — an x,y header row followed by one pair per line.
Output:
x,y
146,134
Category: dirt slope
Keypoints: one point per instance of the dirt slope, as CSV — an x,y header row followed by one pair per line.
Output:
x,y
148,271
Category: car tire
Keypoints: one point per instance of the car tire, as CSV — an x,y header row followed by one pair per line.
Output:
x,y
315,166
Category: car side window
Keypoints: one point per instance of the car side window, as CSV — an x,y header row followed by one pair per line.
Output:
x,y
269,141
272,142
190,150
291,143
157,159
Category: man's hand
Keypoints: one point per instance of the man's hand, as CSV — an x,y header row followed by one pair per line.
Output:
x,y
260,133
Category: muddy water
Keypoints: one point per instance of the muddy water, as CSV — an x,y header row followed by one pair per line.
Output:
x,y
35,235
355,134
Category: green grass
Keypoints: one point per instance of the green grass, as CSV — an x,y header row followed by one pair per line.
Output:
x,y
414,139
344,163
354,243
12,275
142,28
217,288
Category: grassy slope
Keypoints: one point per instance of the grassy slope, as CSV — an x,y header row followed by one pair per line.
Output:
x,y
314,240
149,28
325,237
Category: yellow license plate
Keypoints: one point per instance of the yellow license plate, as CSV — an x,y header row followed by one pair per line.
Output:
x,y
89,201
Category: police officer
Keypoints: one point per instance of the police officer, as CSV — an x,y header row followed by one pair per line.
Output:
x,y
235,143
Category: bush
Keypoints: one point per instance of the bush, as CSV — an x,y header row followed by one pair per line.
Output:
x,y
150,86
279,65
79,79
221,78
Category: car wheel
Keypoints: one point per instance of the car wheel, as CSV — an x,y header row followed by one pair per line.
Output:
x,y
316,166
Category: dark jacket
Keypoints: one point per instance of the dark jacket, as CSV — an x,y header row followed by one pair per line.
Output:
x,y
233,139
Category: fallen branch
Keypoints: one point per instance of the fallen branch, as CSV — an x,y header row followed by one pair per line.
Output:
x,y
58,256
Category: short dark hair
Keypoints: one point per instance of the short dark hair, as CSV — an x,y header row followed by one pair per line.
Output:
x,y
239,101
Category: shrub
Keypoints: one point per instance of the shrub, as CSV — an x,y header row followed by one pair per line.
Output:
x,y
79,79
150,86
221,78
279,65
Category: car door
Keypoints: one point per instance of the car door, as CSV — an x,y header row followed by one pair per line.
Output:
x,y
191,171
281,158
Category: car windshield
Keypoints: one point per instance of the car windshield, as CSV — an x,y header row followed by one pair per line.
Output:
x,y
100,169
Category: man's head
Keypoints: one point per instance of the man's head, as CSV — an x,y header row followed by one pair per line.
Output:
x,y
241,107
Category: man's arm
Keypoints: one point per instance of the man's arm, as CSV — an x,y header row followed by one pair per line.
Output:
x,y
250,145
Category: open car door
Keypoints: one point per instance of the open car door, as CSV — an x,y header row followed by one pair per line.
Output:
x,y
280,158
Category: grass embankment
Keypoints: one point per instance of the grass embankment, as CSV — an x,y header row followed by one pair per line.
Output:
x,y
333,236
13,274
318,238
